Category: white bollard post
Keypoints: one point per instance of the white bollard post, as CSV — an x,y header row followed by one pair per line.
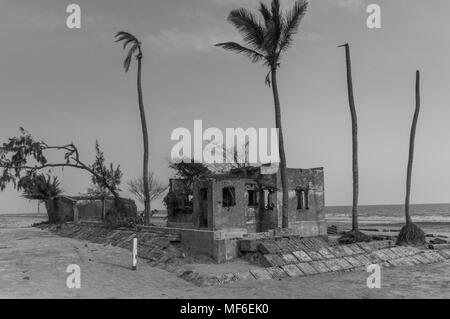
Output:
x,y
134,266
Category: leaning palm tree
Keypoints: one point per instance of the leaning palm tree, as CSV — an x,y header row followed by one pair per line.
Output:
x,y
411,233
354,235
266,40
136,50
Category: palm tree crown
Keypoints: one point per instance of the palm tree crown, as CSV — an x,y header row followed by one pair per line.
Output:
x,y
267,38
129,39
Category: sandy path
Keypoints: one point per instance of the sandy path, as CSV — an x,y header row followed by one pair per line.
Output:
x,y
33,264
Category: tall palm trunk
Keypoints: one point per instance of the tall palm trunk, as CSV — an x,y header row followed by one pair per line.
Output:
x,y
351,103
276,98
145,139
411,149
411,234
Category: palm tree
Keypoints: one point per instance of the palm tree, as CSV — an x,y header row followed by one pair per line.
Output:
x,y
265,41
411,233
354,235
136,50
43,189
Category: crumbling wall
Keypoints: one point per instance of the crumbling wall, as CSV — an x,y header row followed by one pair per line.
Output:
x,y
179,201
309,219
232,217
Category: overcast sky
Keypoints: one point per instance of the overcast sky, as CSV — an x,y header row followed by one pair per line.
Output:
x,y
69,85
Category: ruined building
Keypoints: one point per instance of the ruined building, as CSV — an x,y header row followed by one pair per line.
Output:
x,y
213,213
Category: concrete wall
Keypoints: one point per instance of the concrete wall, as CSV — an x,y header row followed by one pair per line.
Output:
x,y
218,245
228,218
311,221
178,214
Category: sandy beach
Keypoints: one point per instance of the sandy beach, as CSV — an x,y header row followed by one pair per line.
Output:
x,y
33,264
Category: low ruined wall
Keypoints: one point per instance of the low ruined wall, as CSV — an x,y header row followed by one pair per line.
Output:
x,y
221,246
309,228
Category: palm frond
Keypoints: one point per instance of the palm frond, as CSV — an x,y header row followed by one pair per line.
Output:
x,y
249,26
292,22
235,47
38,187
127,39
265,12
273,30
122,35
127,62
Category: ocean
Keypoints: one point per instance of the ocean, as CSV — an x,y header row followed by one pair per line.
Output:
x,y
391,214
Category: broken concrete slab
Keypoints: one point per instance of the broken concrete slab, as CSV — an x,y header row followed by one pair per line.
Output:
x,y
245,275
260,274
326,253
315,255
381,255
388,252
268,247
363,260
333,264
434,256
445,253
366,247
353,261
306,268
337,251
302,256
356,249
347,250
344,263
277,272
319,266
292,270
422,259
289,259
270,260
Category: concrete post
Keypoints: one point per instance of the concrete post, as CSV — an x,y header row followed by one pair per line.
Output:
x,y
134,262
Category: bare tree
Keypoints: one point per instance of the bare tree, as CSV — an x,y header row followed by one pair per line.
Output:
x,y
137,188
354,235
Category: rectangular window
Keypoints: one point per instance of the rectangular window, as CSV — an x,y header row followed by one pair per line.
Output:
x,y
228,197
252,198
302,199
268,204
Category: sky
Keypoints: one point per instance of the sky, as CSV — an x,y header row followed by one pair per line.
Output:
x,y
68,85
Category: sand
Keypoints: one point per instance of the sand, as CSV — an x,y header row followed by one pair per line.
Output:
x,y
33,264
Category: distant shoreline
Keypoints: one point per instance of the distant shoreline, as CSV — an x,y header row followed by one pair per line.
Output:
x,y
22,215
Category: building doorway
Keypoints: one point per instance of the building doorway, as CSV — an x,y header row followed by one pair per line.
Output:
x,y
203,213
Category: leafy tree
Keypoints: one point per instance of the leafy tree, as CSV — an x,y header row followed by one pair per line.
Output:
x,y
42,188
266,41
136,50
22,157
189,171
